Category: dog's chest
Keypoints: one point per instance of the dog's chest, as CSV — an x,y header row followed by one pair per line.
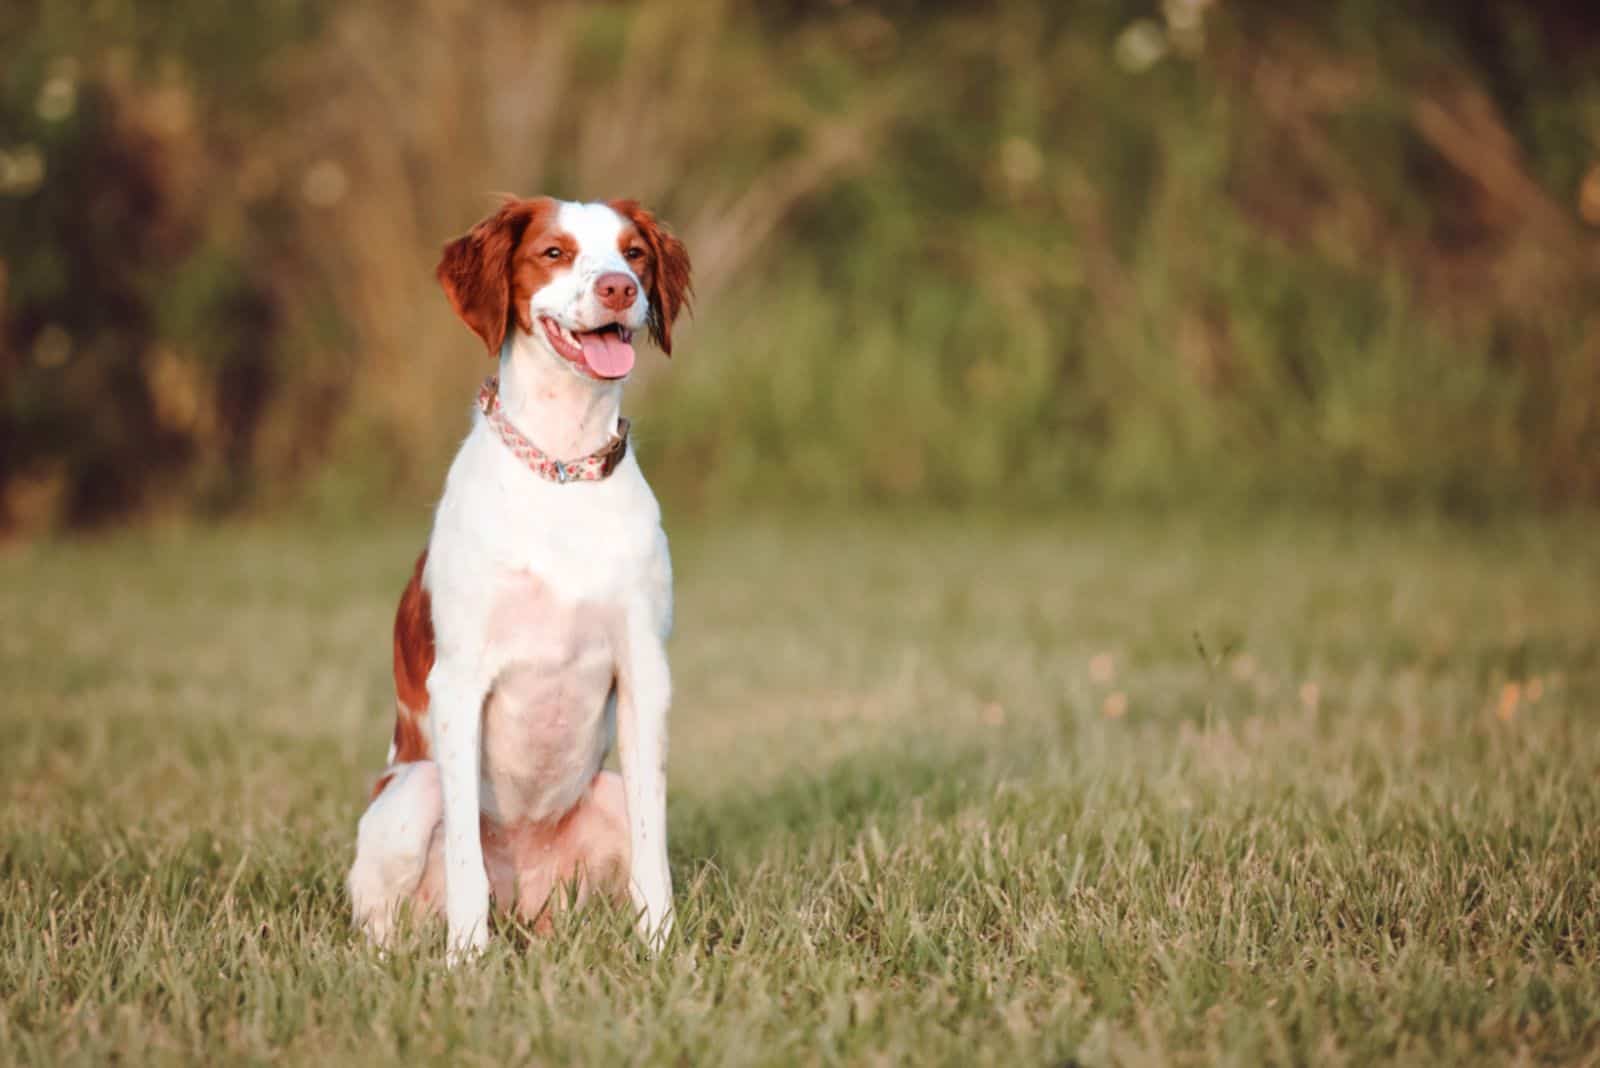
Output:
x,y
548,721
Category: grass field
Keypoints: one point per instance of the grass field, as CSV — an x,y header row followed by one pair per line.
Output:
x,y
1119,791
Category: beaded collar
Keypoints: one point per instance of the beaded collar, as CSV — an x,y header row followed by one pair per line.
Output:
x,y
591,468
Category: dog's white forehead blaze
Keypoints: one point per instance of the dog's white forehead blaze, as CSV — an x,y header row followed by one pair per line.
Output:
x,y
595,227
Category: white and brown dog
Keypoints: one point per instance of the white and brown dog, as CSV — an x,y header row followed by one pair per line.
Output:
x,y
531,634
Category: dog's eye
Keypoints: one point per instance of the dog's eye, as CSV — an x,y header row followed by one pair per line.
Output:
x,y
553,252
635,253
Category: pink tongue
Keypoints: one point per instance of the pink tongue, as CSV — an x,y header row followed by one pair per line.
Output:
x,y
607,354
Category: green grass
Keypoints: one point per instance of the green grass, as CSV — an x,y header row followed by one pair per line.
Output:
x,y
908,823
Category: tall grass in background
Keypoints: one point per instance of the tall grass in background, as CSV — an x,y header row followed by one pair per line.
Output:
x,y
1030,253
1281,259
681,106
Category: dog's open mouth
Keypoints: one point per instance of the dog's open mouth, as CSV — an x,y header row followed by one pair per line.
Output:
x,y
603,353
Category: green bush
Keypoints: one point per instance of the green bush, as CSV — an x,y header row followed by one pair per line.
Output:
x,y
139,339
1255,270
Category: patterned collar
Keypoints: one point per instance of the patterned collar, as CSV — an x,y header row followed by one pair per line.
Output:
x,y
592,468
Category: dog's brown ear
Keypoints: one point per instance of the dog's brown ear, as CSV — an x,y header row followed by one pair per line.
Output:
x,y
668,283
475,271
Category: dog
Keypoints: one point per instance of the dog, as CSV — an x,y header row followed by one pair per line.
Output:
x,y
531,636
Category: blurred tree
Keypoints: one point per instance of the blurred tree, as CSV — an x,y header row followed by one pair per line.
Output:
x,y
137,331
1015,252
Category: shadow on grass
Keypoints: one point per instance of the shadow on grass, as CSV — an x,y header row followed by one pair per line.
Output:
x,y
875,787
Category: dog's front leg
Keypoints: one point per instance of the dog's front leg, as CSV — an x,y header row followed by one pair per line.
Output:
x,y
456,693
644,694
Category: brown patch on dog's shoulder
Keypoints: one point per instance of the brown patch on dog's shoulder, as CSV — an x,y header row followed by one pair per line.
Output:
x,y
413,659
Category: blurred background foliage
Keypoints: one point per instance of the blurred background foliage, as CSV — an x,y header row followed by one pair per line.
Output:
x,y
1028,253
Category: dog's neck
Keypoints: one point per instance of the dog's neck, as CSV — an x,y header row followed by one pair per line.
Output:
x,y
564,413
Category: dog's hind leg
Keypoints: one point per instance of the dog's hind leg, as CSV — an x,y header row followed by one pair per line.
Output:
x,y
584,852
393,846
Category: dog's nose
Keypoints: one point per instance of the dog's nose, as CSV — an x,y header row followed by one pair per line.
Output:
x,y
616,290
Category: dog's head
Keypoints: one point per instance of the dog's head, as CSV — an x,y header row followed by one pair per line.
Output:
x,y
579,278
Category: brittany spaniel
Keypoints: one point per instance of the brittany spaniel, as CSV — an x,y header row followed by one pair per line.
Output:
x,y
531,634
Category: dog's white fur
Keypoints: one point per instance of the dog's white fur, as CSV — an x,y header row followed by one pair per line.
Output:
x,y
591,559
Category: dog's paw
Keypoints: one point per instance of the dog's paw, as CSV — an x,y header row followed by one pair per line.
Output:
x,y
469,947
655,932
